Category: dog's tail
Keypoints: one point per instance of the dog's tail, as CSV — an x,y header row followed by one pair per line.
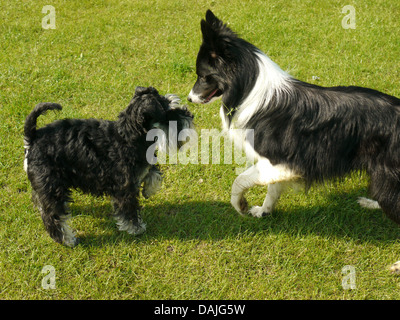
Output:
x,y
30,122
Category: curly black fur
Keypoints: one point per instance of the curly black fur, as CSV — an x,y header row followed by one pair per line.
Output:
x,y
99,157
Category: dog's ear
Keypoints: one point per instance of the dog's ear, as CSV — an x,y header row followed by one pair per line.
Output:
x,y
210,17
210,28
143,90
182,116
209,35
153,111
146,108
210,39
212,20
216,35
184,120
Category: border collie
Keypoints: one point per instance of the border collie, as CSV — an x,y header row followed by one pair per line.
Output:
x,y
99,157
302,132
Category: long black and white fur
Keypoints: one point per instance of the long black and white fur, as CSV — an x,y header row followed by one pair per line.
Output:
x,y
100,157
302,132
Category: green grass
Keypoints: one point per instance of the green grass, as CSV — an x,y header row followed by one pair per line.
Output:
x,y
196,246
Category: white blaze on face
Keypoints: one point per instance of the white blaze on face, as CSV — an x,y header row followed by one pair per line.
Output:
x,y
195,98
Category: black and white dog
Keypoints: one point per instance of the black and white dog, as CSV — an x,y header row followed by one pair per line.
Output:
x,y
301,131
99,157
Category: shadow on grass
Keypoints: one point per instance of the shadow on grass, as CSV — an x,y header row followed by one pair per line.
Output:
x,y
202,220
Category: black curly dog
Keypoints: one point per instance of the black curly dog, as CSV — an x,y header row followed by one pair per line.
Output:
x,y
99,157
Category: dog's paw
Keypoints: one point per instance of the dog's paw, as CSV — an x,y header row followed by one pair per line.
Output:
x,y
68,234
244,206
395,268
137,229
71,242
152,184
258,212
240,204
368,203
133,228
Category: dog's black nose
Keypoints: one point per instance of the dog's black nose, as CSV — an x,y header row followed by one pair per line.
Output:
x,y
189,99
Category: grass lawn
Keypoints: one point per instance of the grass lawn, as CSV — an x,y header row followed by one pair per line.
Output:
x,y
196,246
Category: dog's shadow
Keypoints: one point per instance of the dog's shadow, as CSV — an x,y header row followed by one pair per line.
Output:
x,y
204,220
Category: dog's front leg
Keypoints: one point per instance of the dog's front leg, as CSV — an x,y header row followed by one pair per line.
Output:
x,y
262,173
273,194
152,182
128,216
242,183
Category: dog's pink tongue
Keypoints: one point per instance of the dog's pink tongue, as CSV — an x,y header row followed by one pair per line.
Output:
x,y
211,95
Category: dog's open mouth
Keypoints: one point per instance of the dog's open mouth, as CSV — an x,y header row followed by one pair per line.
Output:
x,y
215,93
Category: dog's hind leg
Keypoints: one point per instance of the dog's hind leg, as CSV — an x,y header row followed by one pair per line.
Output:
x,y
55,219
385,187
262,173
127,215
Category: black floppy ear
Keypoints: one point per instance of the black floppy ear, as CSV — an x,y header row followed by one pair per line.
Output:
x,y
144,110
151,107
153,112
143,90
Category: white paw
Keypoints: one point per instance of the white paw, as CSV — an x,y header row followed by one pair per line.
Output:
x,y
130,227
258,212
70,241
69,238
152,184
395,268
368,203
